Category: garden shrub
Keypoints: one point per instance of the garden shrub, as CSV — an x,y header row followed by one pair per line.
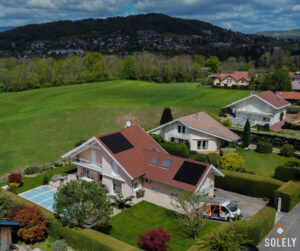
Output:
x,y
227,122
213,158
154,240
176,149
158,138
290,195
264,128
16,207
286,173
59,245
226,150
248,184
231,161
202,157
31,170
33,226
293,109
287,150
45,180
5,207
264,147
15,179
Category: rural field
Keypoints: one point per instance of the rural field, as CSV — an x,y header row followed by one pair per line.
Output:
x,y
40,125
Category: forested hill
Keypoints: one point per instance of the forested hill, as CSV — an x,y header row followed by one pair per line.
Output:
x,y
122,35
96,27
285,34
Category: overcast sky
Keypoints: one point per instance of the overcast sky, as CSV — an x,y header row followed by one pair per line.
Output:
x,y
239,15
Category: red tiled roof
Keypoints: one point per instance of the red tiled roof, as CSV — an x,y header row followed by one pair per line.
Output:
x,y
137,160
289,95
237,75
294,75
165,176
273,99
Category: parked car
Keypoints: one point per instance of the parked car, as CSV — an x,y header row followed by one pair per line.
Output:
x,y
223,209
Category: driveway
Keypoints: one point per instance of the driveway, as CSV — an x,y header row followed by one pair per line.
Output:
x,y
291,225
249,205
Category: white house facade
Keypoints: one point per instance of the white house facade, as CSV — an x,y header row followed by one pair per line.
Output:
x,y
262,108
203,133
131,162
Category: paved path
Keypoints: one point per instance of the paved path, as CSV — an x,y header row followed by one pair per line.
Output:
x,y
291,225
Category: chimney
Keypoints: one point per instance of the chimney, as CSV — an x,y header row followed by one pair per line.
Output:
x,y
196,115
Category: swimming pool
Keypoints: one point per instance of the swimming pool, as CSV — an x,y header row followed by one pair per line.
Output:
x,y
43,196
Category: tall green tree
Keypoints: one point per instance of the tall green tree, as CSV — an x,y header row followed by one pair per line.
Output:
x,y
213,63
166,116
247,134
279,80
82,204
128,68
5,206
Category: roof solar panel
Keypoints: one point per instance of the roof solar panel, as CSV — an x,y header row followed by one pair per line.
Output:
x,y
116,142
190,173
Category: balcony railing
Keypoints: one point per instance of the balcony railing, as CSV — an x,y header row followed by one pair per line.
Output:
x,y
87,164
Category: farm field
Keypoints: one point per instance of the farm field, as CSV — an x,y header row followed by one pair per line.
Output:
x,y
38,126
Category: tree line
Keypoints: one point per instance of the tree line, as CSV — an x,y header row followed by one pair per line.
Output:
x,y
17,74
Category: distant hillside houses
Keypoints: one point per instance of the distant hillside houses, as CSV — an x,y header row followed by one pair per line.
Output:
x,y
238,78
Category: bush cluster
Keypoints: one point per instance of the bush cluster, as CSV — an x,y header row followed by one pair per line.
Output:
x,y
36,169
154,240
226,150
289,124
264,128
290,195
264,147
293,109
227,122
15,179
289,171
231,161
287,150
248,184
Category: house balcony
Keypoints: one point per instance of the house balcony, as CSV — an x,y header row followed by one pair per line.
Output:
x,y
257,113
87,164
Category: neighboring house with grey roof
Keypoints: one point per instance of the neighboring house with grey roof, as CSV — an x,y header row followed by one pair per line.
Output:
x,y
262,108
203,133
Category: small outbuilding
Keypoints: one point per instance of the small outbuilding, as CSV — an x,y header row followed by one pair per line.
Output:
x,y
6,229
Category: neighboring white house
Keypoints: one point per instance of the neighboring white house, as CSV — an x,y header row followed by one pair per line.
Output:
x,y
238,78
262,108
132,162
203,133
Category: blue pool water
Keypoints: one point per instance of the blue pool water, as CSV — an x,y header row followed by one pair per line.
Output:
x,y
43,196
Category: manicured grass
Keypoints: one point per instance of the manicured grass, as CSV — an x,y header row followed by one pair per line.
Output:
x,y
144,216
263,164
38,126
32,182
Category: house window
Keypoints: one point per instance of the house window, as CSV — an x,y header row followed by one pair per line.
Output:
x,y
115,170
85,172
183,129
202,144
154,161
172,139
155,189
179,129
117,186
100,177
148,181
182,141
266,119
135,185
243,81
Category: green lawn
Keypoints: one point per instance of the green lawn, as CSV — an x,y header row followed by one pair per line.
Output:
x,y
263,164
144,216
32,182
38,126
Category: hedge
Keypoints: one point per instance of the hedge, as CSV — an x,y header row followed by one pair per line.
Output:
x,y
264,147
248,184
79,239
289,124
289,194
290,171
275,139
293,109
256,228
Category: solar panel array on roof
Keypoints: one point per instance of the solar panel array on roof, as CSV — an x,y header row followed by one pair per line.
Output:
x,y
116,142
190,173
166,163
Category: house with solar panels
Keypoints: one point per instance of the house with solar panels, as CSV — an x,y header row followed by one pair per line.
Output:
x,y
203,132
262,108
133,163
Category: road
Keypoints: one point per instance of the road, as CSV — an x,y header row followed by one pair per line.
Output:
x,y
290,238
